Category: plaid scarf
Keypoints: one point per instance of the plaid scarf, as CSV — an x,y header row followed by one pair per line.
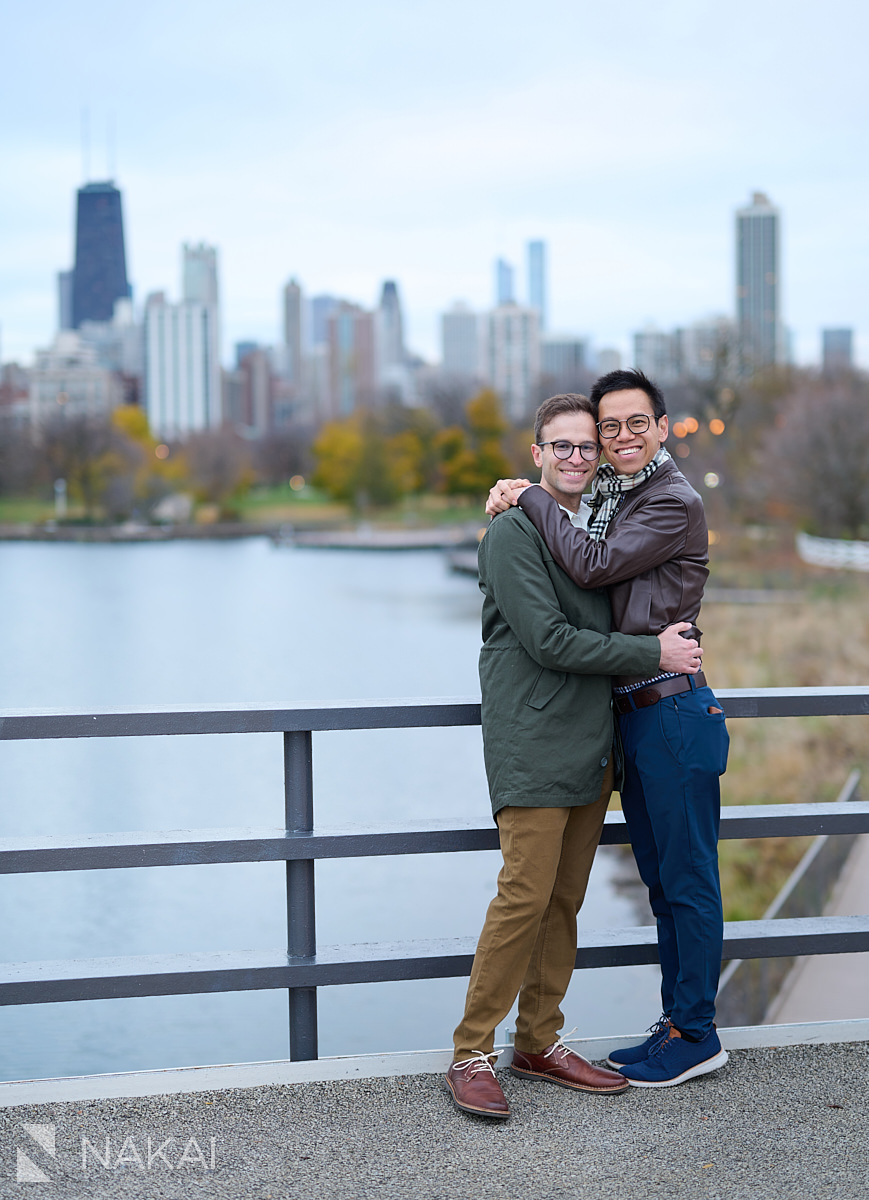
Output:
x,y
609,489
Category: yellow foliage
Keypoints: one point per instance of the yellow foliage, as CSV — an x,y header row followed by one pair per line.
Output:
x,y
405,456
132,422
485,416
338,451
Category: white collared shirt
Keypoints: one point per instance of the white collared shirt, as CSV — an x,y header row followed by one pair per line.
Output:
x,y
579,520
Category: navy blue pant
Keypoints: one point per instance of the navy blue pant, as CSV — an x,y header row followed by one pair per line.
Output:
x,y
674,752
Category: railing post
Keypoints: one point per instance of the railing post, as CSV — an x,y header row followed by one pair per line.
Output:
x,y
301,927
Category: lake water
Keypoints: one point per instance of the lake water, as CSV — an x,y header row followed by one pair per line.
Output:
x,y
86,626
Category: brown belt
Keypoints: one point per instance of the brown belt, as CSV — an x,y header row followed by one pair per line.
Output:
x,y
643,697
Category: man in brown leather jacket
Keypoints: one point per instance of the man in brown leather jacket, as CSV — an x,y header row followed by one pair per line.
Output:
x,y
648,544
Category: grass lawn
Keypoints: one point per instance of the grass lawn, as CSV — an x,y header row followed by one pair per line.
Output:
x,y
16,510
282,504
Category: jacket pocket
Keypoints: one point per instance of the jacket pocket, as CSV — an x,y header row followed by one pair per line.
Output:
x,y
546,685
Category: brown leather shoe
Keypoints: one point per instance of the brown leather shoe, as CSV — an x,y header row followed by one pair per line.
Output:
x,y
561,1065
475,1089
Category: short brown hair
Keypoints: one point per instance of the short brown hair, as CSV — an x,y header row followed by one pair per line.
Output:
x,y
566,402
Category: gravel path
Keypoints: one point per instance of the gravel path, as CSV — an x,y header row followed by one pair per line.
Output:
x,y
790,1122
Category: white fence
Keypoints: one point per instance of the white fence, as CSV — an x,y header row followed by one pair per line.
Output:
x,y
833,552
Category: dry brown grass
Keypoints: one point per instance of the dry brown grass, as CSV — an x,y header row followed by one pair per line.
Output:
x,y
820,641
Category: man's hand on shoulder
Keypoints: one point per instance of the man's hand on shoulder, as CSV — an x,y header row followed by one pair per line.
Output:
x,y
679,654
504,495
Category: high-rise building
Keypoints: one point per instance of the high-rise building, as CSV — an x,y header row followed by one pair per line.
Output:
x,y
322,308
242,350
608,358
758,284
655,355
352,359
705,350
537,280
512,356
182,371
837,350
64,300
460,341
199,274
505,292
393,361
562,361
293,335
100,272
68,380
391,326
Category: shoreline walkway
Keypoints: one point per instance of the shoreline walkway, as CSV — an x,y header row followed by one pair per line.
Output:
x,y
788,1121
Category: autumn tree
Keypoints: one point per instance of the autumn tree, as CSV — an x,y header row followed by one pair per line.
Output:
x,y
219,466
815,455
373,459
472,457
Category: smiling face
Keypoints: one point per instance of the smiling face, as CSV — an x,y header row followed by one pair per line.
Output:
x,y
630,452
566,479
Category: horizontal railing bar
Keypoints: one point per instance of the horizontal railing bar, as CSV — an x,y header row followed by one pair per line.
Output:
x,y
21,725
185,974
29,724
795,702
200,847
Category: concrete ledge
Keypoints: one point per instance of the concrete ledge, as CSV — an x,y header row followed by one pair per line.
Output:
x,y
178,1080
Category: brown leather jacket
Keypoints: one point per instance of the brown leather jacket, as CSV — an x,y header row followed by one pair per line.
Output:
x,y
652,560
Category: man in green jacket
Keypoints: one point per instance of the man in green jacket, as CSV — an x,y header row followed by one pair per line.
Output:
x,y
545,666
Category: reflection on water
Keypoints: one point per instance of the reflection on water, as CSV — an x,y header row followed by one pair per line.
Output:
x,y
86,626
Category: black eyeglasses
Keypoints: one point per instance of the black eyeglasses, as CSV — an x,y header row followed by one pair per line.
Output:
x,y
611,428
590,451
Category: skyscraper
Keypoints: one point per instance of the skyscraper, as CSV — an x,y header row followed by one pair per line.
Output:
x,y
199,274
182,350
391,347
293,306
655,355
322,308
537,280
182,375
504,289
758,284
64,300
837,350
511,356
562,361
352,359
100,272
460,341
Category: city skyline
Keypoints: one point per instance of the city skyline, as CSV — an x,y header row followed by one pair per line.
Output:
x,y
341,162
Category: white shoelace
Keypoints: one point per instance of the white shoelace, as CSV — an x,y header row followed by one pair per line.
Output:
x,y
558,1046
478,1062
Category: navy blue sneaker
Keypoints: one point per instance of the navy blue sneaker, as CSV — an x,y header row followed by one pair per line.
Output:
x,y
675,1059
628,1055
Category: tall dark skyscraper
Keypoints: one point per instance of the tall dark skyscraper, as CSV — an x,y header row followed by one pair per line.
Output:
x,y
758,284
100,272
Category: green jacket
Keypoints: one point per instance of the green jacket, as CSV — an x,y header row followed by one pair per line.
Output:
x,y
545,669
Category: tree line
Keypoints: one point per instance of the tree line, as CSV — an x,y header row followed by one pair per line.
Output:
x,y
787,446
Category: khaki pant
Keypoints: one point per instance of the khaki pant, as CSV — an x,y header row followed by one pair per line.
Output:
x,y
528,943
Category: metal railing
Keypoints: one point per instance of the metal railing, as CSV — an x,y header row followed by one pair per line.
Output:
x,y
302,967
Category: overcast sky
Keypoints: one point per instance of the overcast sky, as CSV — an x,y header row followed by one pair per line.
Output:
x,y
347,142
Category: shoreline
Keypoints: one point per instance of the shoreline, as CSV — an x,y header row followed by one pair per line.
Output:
x,y
362,536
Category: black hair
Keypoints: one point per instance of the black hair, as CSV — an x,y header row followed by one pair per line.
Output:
x,y
625,381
